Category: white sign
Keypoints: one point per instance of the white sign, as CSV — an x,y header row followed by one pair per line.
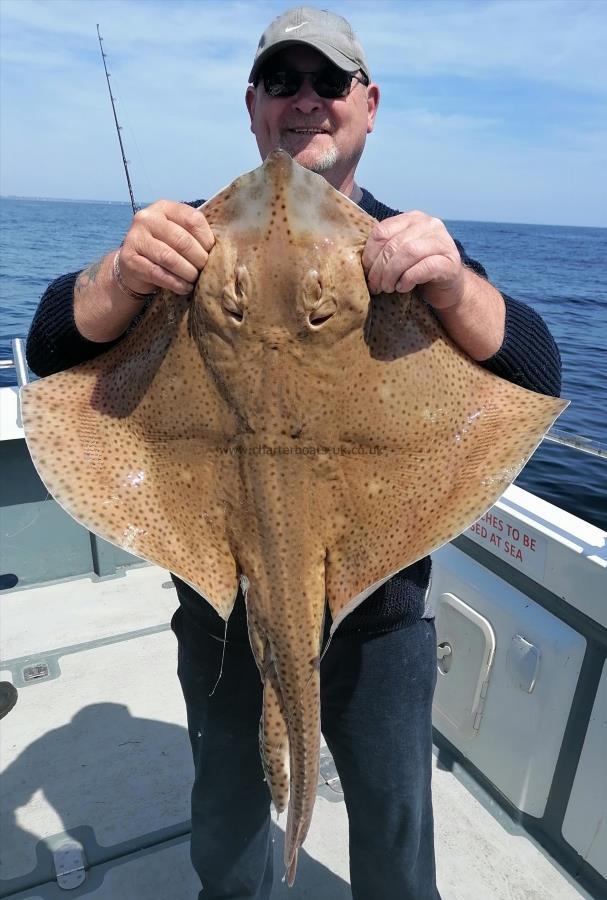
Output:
x,y
520,546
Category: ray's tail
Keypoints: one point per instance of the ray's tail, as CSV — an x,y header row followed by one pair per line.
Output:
x,y
304,731
274,741
289,736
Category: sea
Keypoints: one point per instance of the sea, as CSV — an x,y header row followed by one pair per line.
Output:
x,y
559,270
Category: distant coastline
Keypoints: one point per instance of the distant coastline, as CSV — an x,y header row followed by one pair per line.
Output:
x,y
65,200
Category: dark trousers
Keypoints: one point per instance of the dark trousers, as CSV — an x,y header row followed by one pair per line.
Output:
x,y
376,698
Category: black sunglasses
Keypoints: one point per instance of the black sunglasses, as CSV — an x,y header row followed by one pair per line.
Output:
x,y
329,82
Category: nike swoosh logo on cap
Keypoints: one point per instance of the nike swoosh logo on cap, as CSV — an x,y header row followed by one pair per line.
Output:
x,y
295,27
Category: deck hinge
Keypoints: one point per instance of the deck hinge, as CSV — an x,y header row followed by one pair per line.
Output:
x,y
483,693
70,864
481,705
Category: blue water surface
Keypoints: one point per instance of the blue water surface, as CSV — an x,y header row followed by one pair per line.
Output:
x,y
560,271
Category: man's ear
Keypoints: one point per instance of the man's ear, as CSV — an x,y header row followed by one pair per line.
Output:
x,y
250,99
372,104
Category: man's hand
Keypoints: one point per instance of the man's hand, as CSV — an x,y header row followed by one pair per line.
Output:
x,y
415,249
167,246
411,249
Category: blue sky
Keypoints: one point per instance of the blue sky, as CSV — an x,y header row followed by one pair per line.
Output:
x,y
490,110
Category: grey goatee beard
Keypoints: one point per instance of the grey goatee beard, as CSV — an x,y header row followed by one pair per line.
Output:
x,y
326,162
322,164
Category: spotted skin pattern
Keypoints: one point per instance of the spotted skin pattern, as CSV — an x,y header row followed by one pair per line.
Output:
x,y
281,426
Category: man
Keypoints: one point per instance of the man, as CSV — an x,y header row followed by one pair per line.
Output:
x,y
311,94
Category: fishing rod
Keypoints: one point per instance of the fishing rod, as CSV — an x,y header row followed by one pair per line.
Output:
x,y
118,127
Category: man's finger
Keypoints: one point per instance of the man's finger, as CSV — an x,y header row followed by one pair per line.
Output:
x,y
413,224
393,259
167,258
193,221
181,241
398,255
431,268
152,273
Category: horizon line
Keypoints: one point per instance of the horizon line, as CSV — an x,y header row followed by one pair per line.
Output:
x,y
147,203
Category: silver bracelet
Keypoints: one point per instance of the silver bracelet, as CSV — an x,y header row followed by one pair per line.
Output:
x,y
129,292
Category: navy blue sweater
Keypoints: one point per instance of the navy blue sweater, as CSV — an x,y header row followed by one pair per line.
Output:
x,y
528,357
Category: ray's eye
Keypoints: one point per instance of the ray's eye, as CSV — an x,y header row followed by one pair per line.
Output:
x,y
321,315
235,295
319,308
233,311
232,308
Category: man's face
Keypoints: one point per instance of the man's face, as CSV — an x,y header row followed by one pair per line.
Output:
x,y
324,135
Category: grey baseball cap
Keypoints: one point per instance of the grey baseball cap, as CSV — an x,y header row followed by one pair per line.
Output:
x,y
327,32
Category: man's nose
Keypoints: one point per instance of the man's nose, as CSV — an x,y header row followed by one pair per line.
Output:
x,y
306,99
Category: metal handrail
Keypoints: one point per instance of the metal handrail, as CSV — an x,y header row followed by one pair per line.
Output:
x,y
555,435
17,361
19,364
576,442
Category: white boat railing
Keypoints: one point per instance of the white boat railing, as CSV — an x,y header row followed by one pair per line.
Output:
x,y
555,435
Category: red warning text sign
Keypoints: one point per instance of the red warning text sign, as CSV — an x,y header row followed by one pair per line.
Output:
x,y
511,541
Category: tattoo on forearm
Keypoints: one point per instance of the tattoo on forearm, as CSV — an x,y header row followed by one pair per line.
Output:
x,y
88,276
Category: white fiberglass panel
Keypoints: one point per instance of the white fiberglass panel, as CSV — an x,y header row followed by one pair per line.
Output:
x,y
533,678
584,826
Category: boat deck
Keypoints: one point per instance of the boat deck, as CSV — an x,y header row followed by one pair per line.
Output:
x,y
96,752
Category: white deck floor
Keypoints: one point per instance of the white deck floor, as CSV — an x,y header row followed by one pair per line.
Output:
x,y
99,749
